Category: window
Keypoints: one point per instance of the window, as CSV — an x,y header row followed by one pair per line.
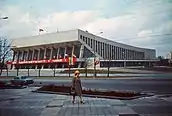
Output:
x,y
89,41
83,38
118,53
93,44
104,50
96,46
110,52
80,36
86,40
99,48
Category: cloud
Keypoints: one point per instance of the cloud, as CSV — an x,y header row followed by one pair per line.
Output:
x,y
67,20
125,28
144,33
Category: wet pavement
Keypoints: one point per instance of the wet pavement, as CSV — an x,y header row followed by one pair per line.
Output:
x,y
23,102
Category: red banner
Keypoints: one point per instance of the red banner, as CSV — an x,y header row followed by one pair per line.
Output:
x,y
64,60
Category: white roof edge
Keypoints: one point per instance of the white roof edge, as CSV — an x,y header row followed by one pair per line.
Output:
x,y
44,34
108,40
49,38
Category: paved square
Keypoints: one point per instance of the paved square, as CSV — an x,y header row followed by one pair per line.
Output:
x,y
23,102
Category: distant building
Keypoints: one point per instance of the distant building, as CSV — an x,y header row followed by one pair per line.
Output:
x,y
53,49
169,55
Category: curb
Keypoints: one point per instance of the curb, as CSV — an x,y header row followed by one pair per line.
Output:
x,y
97,96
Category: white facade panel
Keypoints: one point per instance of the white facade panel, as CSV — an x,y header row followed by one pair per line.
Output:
x,y
59,37
74,35
149,53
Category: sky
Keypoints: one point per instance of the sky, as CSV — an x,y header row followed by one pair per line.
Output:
x,y
142,23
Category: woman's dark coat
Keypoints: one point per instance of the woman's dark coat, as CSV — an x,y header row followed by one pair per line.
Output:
x,y
76,84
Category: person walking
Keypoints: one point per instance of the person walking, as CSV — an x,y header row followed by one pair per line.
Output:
x,y
77,87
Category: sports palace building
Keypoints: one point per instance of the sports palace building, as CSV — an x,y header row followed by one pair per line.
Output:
x,y
77,48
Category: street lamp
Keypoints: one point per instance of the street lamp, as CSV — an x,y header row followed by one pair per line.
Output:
x,y
109,61
124,59
4,18
95,53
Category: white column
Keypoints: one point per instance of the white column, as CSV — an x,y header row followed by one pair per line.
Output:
x,y
33,54
22,58
27,54
51,53
64,55
58,51
45,50
103,51
36,66
15,58
39,51
65,51
81,54
73,48
81,51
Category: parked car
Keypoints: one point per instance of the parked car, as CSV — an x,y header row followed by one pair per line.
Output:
x,y
22,80
2,84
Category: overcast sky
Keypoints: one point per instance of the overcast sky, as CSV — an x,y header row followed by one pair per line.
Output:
x,y
142,23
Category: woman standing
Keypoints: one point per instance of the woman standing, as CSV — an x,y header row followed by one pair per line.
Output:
x,y
76,87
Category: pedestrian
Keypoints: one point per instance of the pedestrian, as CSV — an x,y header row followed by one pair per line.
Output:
x,y
77,87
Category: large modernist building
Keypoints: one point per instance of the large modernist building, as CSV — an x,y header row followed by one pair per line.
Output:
x,y
53,49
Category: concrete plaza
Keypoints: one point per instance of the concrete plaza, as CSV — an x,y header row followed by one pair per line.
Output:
x,y
24,102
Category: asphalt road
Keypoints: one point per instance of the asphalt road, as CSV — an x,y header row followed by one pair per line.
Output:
x,y
150,85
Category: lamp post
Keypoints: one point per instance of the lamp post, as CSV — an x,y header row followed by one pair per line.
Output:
x,y
4,18
124,59
95,53
109,61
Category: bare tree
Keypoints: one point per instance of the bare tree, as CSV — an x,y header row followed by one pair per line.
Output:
x,y
5,52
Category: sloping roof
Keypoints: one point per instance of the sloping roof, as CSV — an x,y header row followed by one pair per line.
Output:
x,y
50,38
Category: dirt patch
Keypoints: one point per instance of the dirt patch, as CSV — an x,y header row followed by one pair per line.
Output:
x,y
91,92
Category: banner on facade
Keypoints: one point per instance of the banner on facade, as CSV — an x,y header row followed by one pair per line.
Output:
x,y
90,62
64,60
